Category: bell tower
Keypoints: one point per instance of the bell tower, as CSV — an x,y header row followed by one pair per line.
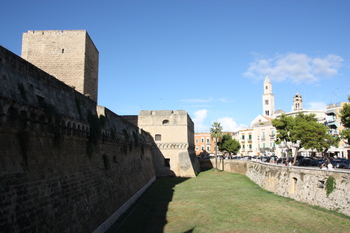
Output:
x,y
268,99
298,102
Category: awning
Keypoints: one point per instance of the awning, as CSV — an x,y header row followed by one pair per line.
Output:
x,y
331,111
333,123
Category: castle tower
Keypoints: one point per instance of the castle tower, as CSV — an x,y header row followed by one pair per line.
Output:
x,y
69,55
298,102
268,99
173,133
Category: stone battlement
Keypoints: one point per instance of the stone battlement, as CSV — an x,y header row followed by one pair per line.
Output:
x,y
67,164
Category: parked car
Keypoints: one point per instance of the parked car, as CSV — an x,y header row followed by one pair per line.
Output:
x,y
347,164
338,163
281,160
320,161
306,162
291,159
265,159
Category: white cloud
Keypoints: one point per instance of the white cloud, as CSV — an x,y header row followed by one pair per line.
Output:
x,y
225,100
198,121
197,100
294,67
229,125
317,106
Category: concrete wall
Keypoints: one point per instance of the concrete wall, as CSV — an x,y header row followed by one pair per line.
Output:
x,y
67,165
302,184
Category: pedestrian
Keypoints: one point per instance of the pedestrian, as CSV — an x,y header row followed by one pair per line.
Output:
x,y
330,166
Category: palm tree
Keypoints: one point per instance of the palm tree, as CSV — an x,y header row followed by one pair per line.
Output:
x,y
216,132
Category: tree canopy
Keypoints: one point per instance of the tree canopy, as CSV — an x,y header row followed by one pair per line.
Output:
x,y
228,144
303,131
345,120
313,135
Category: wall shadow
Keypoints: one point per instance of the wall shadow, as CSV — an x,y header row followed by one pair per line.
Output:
x,y
148,213
205,164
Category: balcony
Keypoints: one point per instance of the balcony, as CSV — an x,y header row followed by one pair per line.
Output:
x,y
333,132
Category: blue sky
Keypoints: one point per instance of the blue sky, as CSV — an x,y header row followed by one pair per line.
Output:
x,y
208,58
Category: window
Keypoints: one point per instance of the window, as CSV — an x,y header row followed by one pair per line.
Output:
x,y
165,122
266,87
250,137
202,140
264,145
208,140
158,137
208,148
266,102
196,148
243,136
250,146
202,147
196,140
267,113
167,162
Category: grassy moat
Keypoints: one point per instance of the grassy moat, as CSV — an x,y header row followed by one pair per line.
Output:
x,y
224,202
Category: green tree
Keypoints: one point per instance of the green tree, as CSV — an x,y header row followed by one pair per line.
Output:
x,y
345,120
303,131
228,144
284,126
312,134
216,133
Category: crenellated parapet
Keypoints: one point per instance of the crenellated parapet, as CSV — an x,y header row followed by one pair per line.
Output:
x,y
61,152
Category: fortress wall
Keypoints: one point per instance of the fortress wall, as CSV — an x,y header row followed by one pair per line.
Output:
x,y
302,184
67,165
68,55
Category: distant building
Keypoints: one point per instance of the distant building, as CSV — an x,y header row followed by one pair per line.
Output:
x,y
246,141
335,126
268,99
260,138
298,108
173,133
205,145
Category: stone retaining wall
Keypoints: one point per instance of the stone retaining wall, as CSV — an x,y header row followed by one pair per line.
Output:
x,y
299,183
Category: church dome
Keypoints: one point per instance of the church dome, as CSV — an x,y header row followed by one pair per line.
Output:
x,y
279,111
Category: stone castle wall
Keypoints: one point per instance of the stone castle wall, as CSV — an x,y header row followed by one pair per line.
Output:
x,y
302,184
68,55
67,165
173,132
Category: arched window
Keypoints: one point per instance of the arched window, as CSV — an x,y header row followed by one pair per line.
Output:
x,y
165,122
158,137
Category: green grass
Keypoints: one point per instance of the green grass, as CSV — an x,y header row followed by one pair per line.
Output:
x,y
224,202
